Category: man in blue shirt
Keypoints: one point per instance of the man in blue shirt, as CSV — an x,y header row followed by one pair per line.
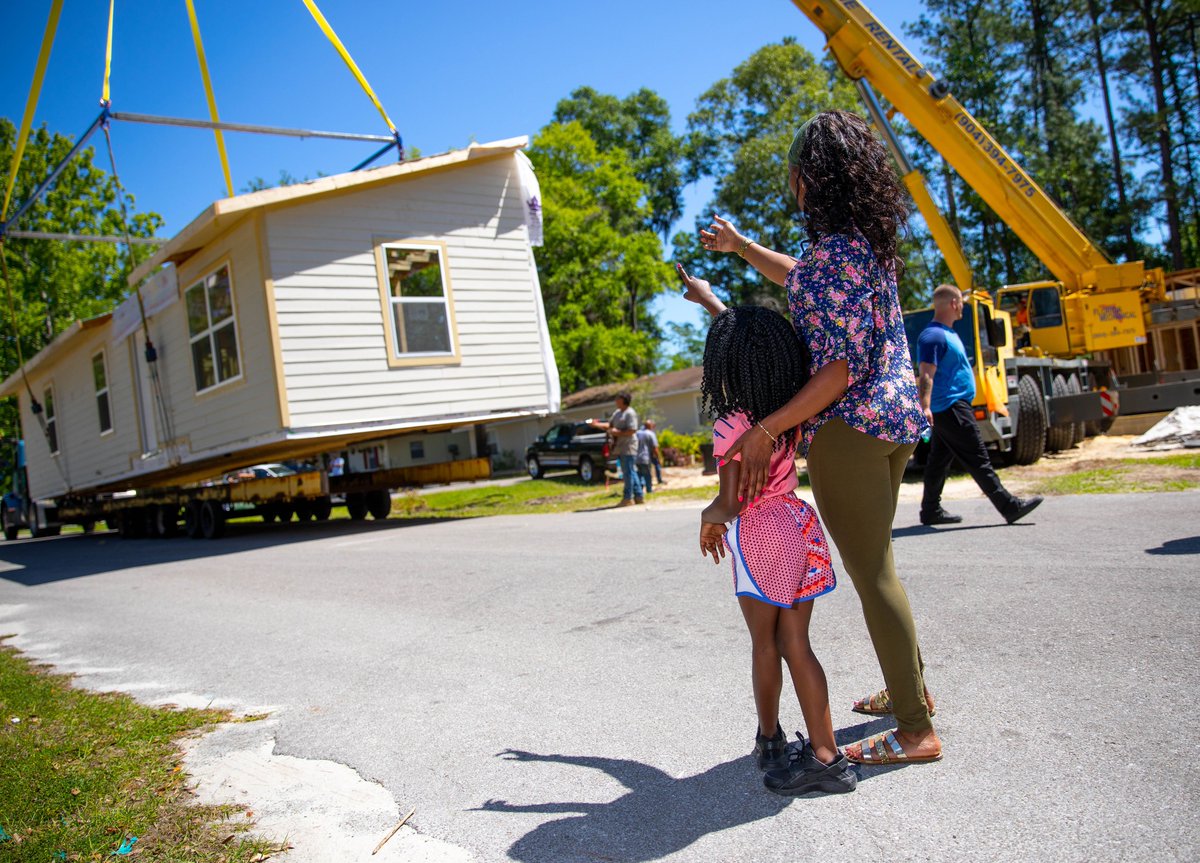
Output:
x,y
946,386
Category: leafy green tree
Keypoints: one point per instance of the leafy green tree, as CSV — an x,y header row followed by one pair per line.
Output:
x,y
600,267
739,135
54,282
640,125
688,342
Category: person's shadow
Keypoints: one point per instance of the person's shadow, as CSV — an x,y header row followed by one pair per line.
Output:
x,y
658,816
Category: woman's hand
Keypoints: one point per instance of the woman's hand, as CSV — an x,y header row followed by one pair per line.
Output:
x,y
712,540
755,448
721,236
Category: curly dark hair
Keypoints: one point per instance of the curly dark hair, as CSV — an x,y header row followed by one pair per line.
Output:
x,y
753,364
850,183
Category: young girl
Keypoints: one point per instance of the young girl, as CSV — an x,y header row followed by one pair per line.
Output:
x,y
753,364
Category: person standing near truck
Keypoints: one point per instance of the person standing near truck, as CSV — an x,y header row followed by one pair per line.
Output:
x,y
622,426
655,455
946,387
647,455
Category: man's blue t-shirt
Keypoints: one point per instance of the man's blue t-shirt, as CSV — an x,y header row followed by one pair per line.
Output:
x,y
940,345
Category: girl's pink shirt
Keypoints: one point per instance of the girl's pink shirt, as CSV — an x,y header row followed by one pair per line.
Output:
x,y
782,478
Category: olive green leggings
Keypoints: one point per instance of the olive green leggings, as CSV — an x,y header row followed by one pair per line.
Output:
x,y
856,482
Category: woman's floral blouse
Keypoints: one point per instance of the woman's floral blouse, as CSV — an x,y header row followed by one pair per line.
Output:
x,y
845,307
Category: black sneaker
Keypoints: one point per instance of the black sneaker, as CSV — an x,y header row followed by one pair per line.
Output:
x,y
805,773
771,752
940,516
1024,507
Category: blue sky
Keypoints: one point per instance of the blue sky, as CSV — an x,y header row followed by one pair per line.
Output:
x,y
447,74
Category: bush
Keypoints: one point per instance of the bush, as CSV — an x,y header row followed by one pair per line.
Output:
x,y
680,449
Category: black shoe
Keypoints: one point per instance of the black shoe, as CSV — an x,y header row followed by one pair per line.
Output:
x,y
805,773
771,752
1024,507
940,516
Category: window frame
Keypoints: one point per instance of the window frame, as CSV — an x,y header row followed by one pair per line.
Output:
x,y
395,359
51,414
209,332
102,355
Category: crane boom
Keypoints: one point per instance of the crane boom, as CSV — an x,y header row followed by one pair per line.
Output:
x,y
864,48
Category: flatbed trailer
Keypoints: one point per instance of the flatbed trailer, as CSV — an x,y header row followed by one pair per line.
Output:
x,y
202,510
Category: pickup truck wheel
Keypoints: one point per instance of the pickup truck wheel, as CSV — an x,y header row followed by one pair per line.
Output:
x,y
10,530
1030,441
1062,436
356,505
534,467
587,470
379,503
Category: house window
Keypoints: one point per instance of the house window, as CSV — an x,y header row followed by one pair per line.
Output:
x,y
51,420
416,449
100,378
418,301
213,330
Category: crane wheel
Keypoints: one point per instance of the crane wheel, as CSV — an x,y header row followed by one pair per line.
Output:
x,y
1030,441
1062,436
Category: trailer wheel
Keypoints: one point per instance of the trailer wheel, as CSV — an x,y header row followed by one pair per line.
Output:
x,y
212,519
191,519
10,530
87,526
304,509
379,503
1062,436
1030,441
131,523
164,521
356,505
321,508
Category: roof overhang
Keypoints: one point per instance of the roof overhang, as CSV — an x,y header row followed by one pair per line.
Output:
x,y
12,385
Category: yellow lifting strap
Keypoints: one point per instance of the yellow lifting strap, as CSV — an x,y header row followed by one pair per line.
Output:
x,y
31,103
104,100
349,61
208,92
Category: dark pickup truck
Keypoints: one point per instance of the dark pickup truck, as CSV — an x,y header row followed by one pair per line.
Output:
x,y
575,445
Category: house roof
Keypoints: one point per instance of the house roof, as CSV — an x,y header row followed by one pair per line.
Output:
x,y
13,384
221,215
680,380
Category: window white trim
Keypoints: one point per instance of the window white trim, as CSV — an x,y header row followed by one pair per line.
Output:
x,y
210,331
50,412
396,357
105,391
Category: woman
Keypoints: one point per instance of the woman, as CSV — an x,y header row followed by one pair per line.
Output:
x,y
860,413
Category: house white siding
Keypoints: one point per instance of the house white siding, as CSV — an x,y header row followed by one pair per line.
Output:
x,y
332,322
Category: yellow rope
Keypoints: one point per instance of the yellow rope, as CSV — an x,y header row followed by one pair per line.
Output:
x,y
349,61
104,100
208,92
31,103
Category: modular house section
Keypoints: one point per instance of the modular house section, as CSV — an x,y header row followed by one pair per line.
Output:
x,y
307,319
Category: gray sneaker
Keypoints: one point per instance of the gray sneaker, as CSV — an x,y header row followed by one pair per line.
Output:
x,y
805,773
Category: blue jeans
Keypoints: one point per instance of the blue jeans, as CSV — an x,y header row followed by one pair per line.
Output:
x,y
645,475
633,482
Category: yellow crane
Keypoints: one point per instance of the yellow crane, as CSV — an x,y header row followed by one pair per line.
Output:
x,y
1093,304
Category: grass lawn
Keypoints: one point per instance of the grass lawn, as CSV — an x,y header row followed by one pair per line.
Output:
x,y
82,774
1164,473
567,494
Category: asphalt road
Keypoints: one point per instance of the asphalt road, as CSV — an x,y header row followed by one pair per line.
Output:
x,y
575,687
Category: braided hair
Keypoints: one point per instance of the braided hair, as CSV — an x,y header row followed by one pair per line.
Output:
x,y
753,364
849,183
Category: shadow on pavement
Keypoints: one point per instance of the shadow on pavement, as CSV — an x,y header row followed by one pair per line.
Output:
x,y
31,562
1187,545
659,814
926,530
